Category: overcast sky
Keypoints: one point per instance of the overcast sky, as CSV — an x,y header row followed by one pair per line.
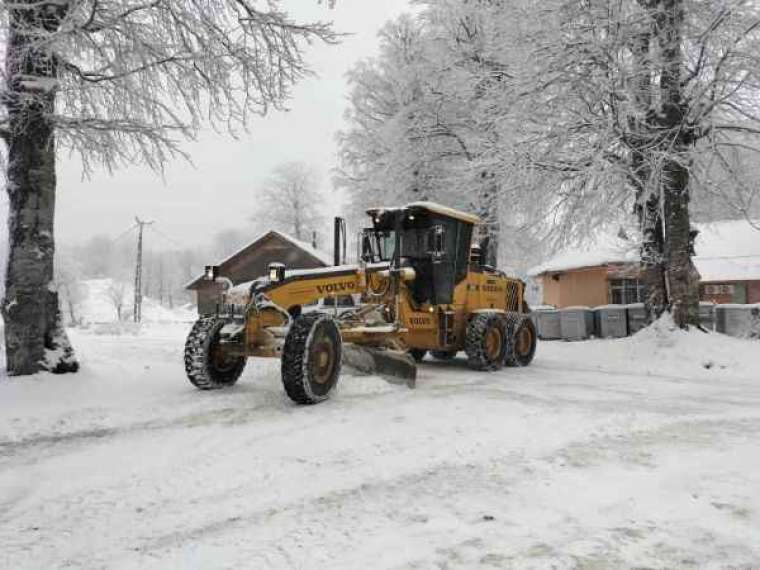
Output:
x,y
220,191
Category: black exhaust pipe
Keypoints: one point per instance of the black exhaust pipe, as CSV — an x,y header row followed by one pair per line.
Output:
x,y
339,242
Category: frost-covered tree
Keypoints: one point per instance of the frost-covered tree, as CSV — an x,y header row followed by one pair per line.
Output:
x,y
69,287
384,160
633,102
119,82
290,200
562,116
117,295
422,116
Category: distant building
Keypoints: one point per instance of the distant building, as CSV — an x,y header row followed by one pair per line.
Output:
x,y
252,262
606,270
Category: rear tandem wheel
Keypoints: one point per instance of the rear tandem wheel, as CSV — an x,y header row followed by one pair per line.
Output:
x,y
486,341
522,345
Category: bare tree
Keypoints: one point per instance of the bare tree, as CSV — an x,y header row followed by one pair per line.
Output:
x,y
117,294
69,287
119,81
290,200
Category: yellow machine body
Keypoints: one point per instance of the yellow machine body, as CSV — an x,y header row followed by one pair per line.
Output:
x,y
418,326
421,285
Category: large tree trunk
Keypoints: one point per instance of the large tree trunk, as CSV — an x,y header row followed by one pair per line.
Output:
x,y
647,197
681,276
34,336
653,257
676,142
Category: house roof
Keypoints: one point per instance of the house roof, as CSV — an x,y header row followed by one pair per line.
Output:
x,y
727,250
601,249
317,255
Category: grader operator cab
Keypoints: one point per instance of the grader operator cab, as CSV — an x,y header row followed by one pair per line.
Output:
x,y
423,286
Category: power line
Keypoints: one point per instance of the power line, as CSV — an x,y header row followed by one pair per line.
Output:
x,y
166,237
124,234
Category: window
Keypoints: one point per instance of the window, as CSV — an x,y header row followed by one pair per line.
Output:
x,y
719,289
627,291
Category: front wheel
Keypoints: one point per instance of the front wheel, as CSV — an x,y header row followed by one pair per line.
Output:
x,y
206,364
311,358
523,343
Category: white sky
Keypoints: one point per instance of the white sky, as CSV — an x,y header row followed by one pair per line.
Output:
x,y
191,204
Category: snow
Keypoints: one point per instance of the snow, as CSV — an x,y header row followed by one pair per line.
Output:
x,y
728,251
642,452
598,250
725,251
97,306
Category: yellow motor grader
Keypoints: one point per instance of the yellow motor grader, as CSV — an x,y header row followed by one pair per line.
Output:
x,y
422,285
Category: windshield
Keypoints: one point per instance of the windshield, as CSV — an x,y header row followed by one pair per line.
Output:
x,y
377,246
418,243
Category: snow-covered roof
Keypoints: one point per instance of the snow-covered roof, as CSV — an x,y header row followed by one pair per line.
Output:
x,y
601,249
306,247
445,211
728,250
431,207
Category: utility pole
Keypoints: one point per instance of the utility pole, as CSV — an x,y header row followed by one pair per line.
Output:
x,y
138,269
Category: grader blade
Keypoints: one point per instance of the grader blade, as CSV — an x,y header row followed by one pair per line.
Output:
x,y
391,365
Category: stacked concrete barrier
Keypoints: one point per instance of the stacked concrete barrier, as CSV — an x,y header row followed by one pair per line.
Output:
x,y
707,315
576,323
637,317
547,323
741,321
611,321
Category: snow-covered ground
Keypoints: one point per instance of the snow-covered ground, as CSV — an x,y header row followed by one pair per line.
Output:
x,y
97,306
642,452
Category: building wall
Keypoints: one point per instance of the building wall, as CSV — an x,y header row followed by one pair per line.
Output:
x,y
730,292
208,296
587,287
753,291
590,287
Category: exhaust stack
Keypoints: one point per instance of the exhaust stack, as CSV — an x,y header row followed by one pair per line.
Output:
x,y
339,242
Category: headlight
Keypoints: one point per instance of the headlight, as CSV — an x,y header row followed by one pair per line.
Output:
x,y
276,272
212,272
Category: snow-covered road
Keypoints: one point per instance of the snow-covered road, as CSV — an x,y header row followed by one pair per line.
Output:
x,y
643,453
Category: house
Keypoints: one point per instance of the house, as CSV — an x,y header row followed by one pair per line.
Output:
x,y
606,269
252,262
